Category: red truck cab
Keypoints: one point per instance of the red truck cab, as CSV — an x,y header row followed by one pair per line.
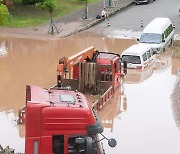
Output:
x,y
60,122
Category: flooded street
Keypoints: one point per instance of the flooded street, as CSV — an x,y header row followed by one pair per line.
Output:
x,y
148,125
139,117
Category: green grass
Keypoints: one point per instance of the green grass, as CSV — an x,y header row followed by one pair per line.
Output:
x,y
29,15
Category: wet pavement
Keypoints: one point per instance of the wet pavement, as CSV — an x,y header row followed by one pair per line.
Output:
x,y
140,116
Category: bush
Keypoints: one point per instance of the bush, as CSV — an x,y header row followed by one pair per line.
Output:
x,y
4,13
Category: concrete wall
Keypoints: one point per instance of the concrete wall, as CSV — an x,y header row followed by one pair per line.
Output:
x,y
176,49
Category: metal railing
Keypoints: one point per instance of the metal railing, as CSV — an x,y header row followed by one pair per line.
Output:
x,y
99,104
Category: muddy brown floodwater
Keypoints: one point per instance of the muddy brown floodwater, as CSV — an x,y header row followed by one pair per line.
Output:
x,y
139,117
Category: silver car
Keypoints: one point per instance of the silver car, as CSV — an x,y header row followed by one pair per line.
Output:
x,y
141,1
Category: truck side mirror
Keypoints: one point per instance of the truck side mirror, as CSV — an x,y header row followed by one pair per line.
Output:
x,y
112,142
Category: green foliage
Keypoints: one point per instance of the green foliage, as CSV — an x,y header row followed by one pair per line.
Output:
x,y
49,5
30,15
4,13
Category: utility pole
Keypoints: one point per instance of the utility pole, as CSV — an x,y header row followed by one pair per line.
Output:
x,y
86,11
110,2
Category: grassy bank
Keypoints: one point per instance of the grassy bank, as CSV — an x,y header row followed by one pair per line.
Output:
x,y
29,15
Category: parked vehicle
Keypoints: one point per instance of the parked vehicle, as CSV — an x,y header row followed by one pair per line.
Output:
x,y
61,122
158,33
138,56
142,1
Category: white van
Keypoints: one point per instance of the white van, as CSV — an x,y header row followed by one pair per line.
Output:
x,y
138,56
158,33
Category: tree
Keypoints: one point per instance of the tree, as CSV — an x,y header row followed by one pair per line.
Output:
x,y
49,5
4,13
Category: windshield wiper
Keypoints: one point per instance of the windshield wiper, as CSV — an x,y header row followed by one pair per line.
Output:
x,y
142,42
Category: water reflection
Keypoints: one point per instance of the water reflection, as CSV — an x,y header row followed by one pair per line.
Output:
x,y
175,99
148,122
135,76
117,105
3,49
9,132
175,96
163,60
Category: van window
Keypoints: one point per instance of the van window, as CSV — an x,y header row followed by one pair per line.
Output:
x,y
166,33
152,53
148,54
58,144
150,38
170,29
132,59
163,37
144,56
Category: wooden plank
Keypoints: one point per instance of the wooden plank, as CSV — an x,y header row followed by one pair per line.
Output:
x,y
82,76
86,71
79,78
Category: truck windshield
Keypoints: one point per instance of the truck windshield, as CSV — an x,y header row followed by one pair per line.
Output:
x,y
131,59
150,38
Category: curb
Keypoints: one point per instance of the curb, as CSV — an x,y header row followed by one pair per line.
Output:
x,y
99,20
